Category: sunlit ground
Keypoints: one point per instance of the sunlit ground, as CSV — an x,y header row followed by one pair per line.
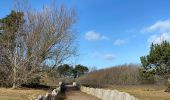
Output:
x,y
145,92
20,94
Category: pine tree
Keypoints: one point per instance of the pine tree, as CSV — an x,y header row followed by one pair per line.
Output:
x,y
157,62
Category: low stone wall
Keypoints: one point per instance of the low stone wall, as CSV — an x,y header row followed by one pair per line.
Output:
x,y
53,95
107,94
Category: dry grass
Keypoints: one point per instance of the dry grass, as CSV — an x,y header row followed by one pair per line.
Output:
x,y
145,92
20,94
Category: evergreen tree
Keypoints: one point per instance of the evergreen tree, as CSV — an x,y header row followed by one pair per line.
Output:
x,y
80,70
157,62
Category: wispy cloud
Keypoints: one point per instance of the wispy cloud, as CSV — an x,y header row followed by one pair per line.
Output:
x,y
119,42
157,39
93,35
103,56
162,30
109,57
159,26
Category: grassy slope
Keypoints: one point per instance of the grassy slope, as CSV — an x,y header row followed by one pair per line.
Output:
x,y
145,92
19,94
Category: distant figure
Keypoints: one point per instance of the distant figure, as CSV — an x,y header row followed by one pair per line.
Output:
x,y
74,84
63,88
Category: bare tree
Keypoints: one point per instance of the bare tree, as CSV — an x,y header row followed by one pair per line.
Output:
x,y
45,37
8,43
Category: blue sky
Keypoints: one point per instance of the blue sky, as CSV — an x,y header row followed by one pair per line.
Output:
x,y
113,32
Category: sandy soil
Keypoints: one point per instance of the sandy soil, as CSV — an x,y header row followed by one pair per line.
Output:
x,y
77,95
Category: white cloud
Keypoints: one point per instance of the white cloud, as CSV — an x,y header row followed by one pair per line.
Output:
x,y
119,42
159,26
109,57
104,37
93,35
99,55
157,39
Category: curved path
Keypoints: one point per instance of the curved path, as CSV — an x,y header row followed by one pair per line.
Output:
x,y
78,95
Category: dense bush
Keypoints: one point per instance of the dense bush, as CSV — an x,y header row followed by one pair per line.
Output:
x,y
33,81
121,75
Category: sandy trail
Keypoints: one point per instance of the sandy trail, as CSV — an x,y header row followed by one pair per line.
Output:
x,y
77,95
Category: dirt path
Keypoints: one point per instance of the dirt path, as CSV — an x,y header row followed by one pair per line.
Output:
x,y
77,95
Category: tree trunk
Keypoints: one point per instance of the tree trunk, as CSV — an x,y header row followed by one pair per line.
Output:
x,y
14,69
14,77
